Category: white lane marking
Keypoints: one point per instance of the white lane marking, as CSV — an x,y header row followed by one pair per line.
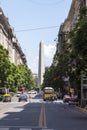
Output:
x,y
4,128
47,129
19,129
25,129
10,119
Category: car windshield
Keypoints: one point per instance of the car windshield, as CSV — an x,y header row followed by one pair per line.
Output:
x,y
23,95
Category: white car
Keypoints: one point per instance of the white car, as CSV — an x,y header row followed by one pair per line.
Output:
x,y
18,94
32,92
23,97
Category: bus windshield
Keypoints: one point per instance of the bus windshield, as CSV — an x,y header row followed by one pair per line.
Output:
x,y
48,90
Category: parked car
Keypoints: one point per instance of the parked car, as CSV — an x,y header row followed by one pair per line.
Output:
x,y
23,97
32,92
18,93
12,93
7,98
66,98
74,101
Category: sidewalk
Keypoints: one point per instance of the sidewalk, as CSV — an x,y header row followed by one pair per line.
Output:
x,y
81,109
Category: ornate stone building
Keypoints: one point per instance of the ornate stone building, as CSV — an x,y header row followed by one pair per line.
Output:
x,y
9,41
68,25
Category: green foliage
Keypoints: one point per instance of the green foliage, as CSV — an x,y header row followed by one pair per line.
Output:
x,y
4,66
72,60
12,76
48,77
52,78
78,39
23,77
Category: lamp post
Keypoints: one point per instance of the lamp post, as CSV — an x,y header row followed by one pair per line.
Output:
x,y
81,90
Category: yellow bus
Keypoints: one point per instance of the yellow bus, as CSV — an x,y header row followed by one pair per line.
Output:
x,y
49,94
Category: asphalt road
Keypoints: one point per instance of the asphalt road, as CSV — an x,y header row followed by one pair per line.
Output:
x,y
38,115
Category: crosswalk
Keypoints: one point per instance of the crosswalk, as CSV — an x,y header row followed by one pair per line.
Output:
x,y
17,128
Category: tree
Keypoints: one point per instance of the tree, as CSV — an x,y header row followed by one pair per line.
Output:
x,y
14,76
72,60
78,40
4,66
24,77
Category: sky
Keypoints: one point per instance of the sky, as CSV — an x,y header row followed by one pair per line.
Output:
x,y
34,21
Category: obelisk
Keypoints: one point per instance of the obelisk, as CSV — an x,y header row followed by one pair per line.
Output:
x,y
41,64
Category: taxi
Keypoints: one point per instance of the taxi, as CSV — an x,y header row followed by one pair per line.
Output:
x,y
6,97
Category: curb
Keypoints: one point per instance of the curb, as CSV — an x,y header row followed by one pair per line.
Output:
x,y
81,109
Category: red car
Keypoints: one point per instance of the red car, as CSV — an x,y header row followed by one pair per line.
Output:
x,y
66,98
74,101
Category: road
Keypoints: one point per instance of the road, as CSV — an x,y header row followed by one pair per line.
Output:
x,y
38,115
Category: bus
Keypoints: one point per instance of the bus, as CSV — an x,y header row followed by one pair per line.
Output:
x,y
49,94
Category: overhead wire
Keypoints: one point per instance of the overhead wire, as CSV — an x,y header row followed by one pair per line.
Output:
x,y
36,29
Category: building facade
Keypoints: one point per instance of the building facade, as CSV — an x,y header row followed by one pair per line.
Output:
x,y
68,24
9,41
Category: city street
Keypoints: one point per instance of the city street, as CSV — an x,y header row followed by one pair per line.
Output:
x,y
43,65
38,115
